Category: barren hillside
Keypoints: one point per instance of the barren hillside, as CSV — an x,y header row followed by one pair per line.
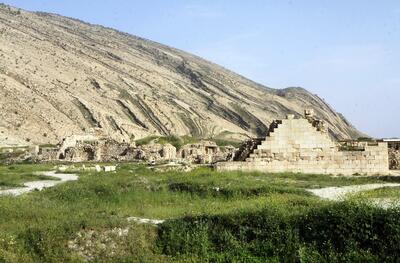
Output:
x,y
60,76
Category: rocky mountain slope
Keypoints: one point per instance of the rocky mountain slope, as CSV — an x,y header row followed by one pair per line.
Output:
x,y
60,76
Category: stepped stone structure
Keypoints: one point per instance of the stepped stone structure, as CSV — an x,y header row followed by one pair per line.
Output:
x,y
304,145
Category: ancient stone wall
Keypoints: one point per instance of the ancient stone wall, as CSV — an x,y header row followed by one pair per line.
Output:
x,y
110,150
168,152
94,150
47,154
394,159
204,152
297,145
246,149
89,148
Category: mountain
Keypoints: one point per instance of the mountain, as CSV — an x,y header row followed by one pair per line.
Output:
x,y
60,76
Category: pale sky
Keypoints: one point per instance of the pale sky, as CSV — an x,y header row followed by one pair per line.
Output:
x,y
347,52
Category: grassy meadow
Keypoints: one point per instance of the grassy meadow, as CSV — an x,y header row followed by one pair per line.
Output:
x,y
210,217
16,175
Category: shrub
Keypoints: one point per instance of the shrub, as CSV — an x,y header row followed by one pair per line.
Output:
x,y
231,237
204,190
339,232
349,227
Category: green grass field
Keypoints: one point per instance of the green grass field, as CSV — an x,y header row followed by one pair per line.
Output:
x,y
211,217
16,175
386,192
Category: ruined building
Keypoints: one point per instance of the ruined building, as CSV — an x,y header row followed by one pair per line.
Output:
x,y
83,148
394,153
86,148
304,145
204,152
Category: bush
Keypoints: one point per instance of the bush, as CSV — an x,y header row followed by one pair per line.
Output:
x,y
230,238
206,190
346,227
340,232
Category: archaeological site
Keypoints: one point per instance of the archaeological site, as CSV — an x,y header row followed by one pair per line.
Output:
x,y
298,145
117,148
97,148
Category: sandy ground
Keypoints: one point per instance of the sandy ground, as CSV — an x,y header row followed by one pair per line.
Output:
x,y
339,193
39,185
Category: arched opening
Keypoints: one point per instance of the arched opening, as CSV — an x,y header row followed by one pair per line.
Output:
x,y
89,154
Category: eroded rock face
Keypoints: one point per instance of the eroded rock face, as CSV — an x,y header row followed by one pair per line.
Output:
x,y
60,76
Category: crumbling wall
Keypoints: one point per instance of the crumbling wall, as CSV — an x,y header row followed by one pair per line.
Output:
x,y
86,148
82,152
156,152
168,152
47,154
104,150
110,150
204,152
394,159
246,149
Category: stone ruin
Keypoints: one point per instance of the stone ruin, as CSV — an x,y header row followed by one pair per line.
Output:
x,y
292,145
154,152
304,146
394,153
205,152
84,148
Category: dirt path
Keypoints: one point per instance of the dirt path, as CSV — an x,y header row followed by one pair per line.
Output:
x,y
339,193
39,185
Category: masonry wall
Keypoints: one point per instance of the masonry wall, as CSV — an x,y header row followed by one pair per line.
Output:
x,y
394,159
296,146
